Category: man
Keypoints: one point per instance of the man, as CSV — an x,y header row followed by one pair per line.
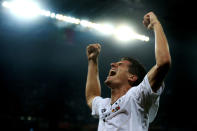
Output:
x,y
134,94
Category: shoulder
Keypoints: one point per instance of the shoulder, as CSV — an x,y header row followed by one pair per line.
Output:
x,y
101,100
144,89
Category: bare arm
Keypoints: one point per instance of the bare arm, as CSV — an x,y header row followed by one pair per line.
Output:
x,y
93,88
163,59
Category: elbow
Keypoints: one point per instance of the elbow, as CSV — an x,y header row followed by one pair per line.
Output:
x,y
165,64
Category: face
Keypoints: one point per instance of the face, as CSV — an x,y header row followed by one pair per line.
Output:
x,y
118,74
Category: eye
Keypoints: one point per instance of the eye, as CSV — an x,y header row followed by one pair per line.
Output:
x,y
119,64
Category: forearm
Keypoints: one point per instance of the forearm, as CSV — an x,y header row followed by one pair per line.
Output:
x,y
162,53
93,84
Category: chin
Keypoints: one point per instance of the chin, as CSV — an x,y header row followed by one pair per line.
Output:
x,y
107,82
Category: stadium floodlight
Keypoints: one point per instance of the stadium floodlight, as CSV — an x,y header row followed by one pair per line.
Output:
x,y
29,9
71,20
124,33
53,15
23,8
44,13
142,37
86,23
106,29
59,17
6,4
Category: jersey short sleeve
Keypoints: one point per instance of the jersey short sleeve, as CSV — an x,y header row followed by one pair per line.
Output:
x,y
146,97
97,104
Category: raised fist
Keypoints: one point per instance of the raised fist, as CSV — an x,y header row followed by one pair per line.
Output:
x,y
150,19
93,50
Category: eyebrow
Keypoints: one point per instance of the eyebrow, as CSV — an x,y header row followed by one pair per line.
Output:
x,y
126,63
121,62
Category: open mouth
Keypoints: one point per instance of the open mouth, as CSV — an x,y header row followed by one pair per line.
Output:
x,y
112,73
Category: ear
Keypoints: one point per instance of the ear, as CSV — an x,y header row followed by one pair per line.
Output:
x,y
132,78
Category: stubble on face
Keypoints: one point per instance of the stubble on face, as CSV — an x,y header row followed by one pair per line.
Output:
x,y
117,74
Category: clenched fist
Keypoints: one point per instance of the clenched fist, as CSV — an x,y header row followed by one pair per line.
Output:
x,y
93,50
150,19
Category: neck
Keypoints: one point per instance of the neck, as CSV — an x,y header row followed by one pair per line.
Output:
x,y
116,93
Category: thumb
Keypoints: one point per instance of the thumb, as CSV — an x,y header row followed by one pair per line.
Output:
x,y
91,55
150,26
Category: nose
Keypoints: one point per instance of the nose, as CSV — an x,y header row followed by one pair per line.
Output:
x,y
113,65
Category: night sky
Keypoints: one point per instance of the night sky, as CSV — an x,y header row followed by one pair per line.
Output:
x,y
43,64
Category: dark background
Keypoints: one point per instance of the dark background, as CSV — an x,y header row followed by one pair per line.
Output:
x,y
44,67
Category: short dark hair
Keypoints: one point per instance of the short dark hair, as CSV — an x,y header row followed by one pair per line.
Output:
x,y
137,69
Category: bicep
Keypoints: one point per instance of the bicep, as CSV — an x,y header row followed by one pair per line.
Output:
x,y
156,76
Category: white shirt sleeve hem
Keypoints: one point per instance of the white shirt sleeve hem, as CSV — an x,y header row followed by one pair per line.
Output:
x,y
95,112
159,91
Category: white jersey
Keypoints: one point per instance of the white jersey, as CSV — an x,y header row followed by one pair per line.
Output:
x,y
131,112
